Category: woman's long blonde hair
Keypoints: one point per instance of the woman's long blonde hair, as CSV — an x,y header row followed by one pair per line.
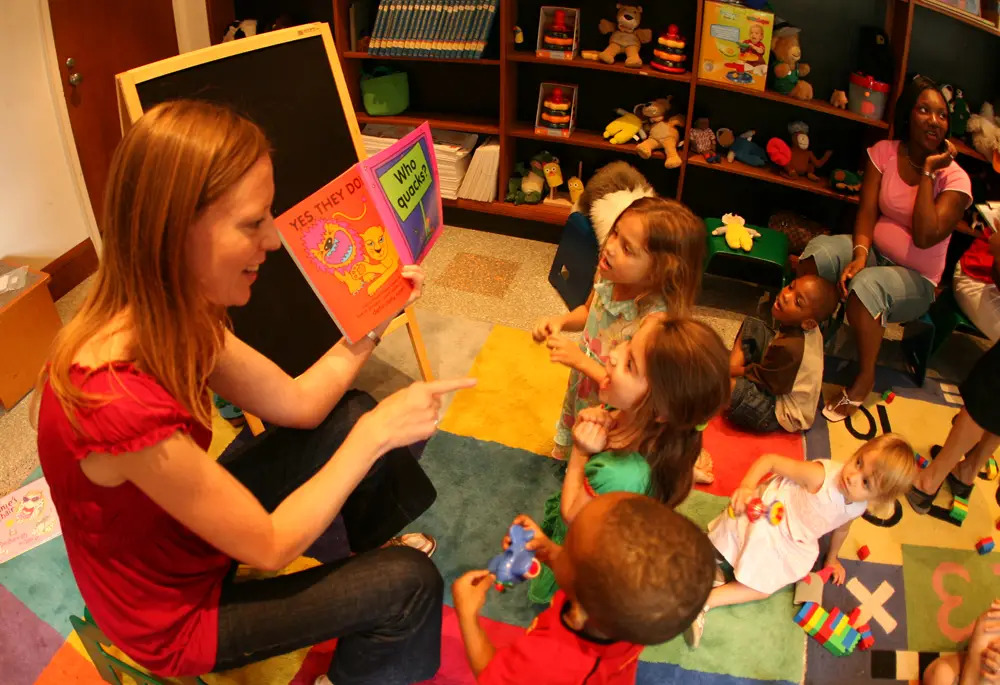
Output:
x,y
178,159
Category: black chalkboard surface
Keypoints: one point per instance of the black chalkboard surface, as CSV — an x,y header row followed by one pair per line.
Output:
x,y
289,90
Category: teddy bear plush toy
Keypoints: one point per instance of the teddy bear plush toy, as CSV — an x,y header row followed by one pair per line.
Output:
x,y
608,193
788,70
662,132
984,128
626,36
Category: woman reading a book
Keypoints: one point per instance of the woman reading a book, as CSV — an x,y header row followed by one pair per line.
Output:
x,y
153,526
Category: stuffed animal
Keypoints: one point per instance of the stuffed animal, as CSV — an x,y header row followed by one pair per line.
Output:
x,y
662,133
985,131
839,99
240,29
845,181
628,126
788,70
743,149
724,139
738,236
527,185
626,36
958,110
703,140
608,193
803,162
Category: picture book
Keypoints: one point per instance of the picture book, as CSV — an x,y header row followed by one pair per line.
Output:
x,y
27,519
990,212
351,238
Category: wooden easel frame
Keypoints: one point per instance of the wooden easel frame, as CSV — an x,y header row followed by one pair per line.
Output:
x,y
130,109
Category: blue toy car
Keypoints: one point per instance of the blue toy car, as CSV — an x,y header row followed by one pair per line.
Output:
x,y
515,564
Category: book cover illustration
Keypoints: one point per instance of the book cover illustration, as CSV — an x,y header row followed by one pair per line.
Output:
x,y
351,237
27,519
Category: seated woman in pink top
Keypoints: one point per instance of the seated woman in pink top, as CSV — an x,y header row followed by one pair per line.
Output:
x,y
912,197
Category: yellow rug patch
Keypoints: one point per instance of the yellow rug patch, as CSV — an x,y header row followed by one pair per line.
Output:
x,y
518,397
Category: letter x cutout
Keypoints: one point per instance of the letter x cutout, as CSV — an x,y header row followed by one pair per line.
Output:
x,y
872,603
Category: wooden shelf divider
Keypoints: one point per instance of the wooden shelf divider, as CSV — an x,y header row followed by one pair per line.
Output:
x,y
958,15
967,150
815,105
765,174
452,122
580,63
577,137
544,213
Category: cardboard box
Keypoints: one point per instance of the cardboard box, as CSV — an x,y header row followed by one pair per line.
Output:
x,y
571,19
735,45
548,121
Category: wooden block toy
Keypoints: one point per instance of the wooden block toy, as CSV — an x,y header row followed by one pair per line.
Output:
x,y
985,546
867,639
888,396
959,508
863,552
922,461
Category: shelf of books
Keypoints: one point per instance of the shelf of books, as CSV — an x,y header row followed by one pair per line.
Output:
x,y
352,54
449,31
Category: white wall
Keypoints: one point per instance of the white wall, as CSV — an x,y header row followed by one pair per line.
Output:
x,y
42,212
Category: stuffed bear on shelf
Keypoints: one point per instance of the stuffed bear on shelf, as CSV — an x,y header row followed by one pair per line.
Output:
x,y
626,36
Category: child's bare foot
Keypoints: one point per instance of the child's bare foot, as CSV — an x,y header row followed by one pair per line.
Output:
x,y
703,469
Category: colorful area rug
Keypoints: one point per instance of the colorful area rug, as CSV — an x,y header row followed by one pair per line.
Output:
x,y
923,584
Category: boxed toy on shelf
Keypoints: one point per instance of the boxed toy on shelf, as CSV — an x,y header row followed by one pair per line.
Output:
x,y
735,44
558,32
556,112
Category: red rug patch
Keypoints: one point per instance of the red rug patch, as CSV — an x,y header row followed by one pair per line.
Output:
x,y
734,450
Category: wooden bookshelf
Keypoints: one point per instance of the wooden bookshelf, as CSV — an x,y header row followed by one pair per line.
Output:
x,y
580,63
406,58
967,150
513,64
765,174
453,122
577,137
815,105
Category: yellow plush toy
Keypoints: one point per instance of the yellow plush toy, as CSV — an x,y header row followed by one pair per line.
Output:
x,y
628,126
738,236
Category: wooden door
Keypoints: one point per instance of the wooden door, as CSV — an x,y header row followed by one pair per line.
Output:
x,y
96,39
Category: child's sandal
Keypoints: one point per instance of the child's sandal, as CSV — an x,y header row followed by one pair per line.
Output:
x,y
830,410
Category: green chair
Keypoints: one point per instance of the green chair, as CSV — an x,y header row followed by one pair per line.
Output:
x,y
769,250
108,666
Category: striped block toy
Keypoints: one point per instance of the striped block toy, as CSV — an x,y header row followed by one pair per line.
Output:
x,y
959,508
985,546
833,630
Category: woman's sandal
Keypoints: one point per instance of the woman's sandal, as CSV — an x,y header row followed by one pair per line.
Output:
x,y
830,410
957,487
919,500
422,542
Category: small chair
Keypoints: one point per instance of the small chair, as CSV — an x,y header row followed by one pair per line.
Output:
x,y
769,250
108,666
933,328
572,271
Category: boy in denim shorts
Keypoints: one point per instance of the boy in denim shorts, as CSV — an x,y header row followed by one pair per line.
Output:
x,y
778,375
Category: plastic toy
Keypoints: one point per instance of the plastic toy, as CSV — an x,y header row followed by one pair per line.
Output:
x,y
703,140
669,55
775,511
556,110
867,640
558,35
527,185
867,96
743,149
661,132
845,181
992,471
626,36
888,396
735,44
839,99
515,564
922,461
959,508
518,35
553,176
984,546
833,630
787,68
738,236
959,110
863,552
628,126
575,186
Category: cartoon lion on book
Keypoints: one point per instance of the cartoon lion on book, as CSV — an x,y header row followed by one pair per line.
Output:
x,y
355,259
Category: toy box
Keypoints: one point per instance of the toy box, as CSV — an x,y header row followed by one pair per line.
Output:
x,y
558,32
735,45
556,113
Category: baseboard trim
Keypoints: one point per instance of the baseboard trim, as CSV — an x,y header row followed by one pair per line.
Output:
x,y
71,268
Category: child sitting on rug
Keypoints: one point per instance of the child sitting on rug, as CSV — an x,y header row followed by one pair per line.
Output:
x,y
818,497
650,262
632,573
778,376
666,383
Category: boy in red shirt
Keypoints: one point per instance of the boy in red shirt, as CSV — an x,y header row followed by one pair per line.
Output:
x,y
632,573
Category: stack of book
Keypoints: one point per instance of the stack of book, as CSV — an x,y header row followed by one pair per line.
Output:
x,y
446,29
480,181
453,150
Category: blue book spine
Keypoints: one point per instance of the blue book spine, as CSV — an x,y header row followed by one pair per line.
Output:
x,y
444,37
430,28
420,14
375,40
392,28
406,35
484,34
472,36
461,19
